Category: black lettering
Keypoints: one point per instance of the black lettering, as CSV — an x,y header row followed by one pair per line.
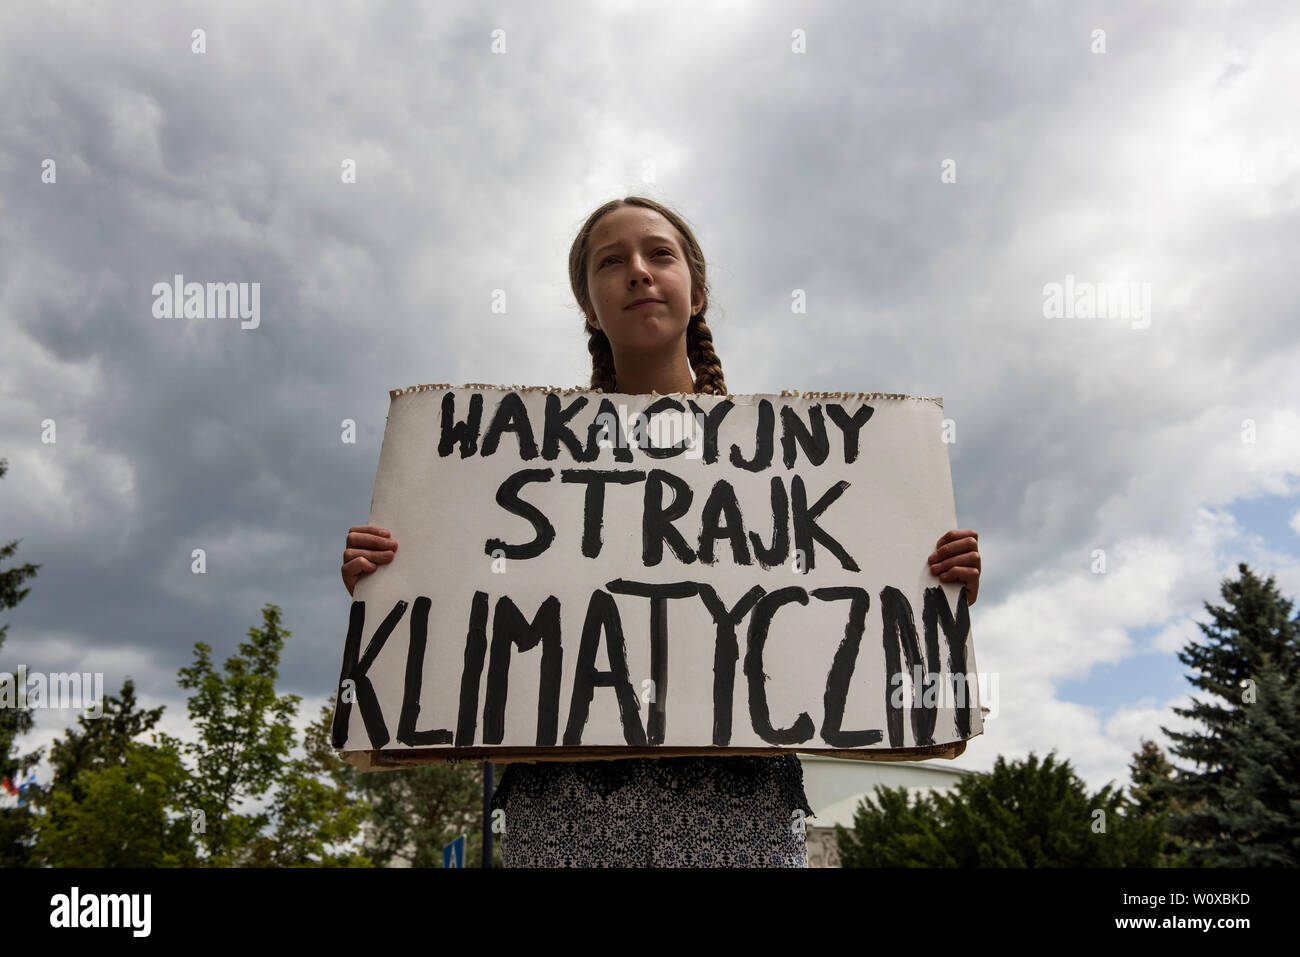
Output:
x,y
841,673
508,498
466,433
815,443
606,422
780,550
763,441
472,672
759,713
936,613
659,594
410,714
723,500
511,629
593,510
900,633
602,618
355,671
806,528
712,420
654,408
725,654
850,427
511,416
556,429
656,522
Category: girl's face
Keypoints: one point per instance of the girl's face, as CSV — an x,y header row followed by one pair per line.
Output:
x,y
637,254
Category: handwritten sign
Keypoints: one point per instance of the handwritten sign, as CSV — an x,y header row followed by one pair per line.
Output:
x,y
587,575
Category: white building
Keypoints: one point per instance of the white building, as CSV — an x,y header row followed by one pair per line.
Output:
x,y
835,786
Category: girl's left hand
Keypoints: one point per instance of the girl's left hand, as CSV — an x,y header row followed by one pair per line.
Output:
x,y
956,558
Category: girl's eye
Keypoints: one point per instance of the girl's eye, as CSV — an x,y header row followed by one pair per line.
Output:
x,y
657,252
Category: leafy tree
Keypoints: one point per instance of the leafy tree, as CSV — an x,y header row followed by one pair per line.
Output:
x,y
245,737
124,814
243,755
418,811
1021,814
17,833
310,815
893,833
99,742
1254,626
113,801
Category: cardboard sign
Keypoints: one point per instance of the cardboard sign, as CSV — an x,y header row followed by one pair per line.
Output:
x,y
585,575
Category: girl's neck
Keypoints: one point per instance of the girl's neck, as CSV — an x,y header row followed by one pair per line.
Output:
x,y
642,377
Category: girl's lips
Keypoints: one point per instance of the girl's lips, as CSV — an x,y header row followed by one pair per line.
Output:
x,y
651,302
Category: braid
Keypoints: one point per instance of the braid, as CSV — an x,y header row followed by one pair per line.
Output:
x,y
602,360
704,361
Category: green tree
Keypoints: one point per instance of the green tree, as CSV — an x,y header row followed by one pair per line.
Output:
x,y
99,742
418,811
113,801
1254,625
17,827
1150,770
1261,816
1020,814
891,832
125,814
315,813
244,755
245,737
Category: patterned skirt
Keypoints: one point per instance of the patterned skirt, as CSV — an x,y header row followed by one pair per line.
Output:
x,y
733,811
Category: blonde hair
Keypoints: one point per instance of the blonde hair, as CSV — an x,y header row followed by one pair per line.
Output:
x,y
705,364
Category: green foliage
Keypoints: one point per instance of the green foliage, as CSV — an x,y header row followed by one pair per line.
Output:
x,y
418,811
1021,814
17,829
309,814
124,815
117,802
1149,772
112,801
1258,820
1230,807
893,833
245,738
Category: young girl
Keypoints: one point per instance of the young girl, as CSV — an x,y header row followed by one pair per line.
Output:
x,y
638,275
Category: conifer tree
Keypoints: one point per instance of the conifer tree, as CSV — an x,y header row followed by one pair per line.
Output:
x,y
1261,816
1254,625
17,833
1151,769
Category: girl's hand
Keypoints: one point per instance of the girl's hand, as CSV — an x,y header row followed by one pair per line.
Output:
x,y
368,546
956,558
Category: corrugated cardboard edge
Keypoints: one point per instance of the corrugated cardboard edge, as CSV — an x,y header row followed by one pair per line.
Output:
x,y
795,393
394,759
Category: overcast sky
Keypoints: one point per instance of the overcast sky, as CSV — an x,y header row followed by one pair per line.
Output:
x,y
806,144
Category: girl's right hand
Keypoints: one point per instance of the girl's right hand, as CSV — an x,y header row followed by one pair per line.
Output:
x,y
368,546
